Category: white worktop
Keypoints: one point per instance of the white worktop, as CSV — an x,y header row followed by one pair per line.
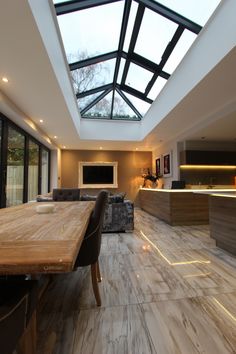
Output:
x,y
230,195
204,191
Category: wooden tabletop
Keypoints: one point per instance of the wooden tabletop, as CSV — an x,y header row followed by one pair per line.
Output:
x,y
42,243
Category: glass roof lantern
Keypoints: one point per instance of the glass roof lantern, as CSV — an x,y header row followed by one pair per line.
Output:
x,y
121,53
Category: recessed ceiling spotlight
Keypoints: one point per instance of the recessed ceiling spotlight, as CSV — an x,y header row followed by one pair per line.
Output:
x,y
64,147
100,148
136,149
5,79
41,120
55,137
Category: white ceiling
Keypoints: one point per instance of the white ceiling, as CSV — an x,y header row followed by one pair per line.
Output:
x,y
35,91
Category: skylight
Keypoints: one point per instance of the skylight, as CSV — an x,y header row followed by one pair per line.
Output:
x,y
121,53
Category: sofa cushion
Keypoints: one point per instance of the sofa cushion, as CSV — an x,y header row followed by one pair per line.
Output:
x,y
116,198
87,197
112,198
66,194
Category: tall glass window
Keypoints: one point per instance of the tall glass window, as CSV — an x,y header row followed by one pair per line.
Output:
x,y
15,167
0,141
45,165
33,170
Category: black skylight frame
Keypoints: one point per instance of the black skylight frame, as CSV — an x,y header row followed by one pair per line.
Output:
x,y
130,56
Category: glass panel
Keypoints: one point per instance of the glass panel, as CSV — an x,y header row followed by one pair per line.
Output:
x,y
92,31
157,87
181,48
0,142
84,101
138,78
45,165
33,170
155,33
121,69
121,110
132,15
102,109
197,11
92,76
15,167
140,105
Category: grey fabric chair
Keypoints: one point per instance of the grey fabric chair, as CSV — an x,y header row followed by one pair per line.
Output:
x,y
65,194
90,248
18,301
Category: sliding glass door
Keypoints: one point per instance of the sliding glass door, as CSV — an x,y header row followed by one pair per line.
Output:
x,y
24,163
15,167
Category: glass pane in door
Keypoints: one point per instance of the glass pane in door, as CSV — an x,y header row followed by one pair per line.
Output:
x,y
15,167
0,141
45,165
33,170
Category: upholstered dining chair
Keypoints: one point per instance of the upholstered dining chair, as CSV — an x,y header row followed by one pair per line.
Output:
x,y
65,194
90,248
18,300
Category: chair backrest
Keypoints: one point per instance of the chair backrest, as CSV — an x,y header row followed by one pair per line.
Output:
x,y
18,300
91,245
66,194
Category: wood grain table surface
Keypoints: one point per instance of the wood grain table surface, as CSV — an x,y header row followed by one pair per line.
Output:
x,y
42,243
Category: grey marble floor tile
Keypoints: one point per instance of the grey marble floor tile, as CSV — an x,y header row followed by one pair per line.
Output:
x,y
118,330
185,326
164,290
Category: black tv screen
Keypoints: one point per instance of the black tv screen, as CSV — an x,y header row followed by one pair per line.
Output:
x,y
98,175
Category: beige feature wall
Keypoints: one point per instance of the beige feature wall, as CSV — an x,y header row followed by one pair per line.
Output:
x,y
130,164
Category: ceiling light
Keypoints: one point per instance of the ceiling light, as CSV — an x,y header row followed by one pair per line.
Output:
x,y
5,79
64,147
100,147
40,120
136,149
55,137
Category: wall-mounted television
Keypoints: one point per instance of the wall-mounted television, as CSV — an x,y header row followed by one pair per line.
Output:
x,y
98,174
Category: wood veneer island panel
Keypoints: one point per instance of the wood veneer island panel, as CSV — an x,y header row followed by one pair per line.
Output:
x,y
222,213
176,207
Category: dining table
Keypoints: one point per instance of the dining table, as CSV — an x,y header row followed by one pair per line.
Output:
x,y
36,243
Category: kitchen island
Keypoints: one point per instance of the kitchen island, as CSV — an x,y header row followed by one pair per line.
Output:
x,y
178,206
222,216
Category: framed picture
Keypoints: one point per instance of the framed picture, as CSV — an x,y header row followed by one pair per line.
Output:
x,y
158,166
167,165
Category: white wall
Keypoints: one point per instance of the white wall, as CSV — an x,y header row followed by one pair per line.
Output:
x,y
213,43
12,112
173,148
55,177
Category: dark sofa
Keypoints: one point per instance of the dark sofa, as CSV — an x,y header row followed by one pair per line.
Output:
x,y
119,213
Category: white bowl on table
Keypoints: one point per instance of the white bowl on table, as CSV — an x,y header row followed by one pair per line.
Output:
x,y
45,208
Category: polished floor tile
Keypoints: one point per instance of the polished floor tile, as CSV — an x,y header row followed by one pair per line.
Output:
x,y
164,290
189,326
